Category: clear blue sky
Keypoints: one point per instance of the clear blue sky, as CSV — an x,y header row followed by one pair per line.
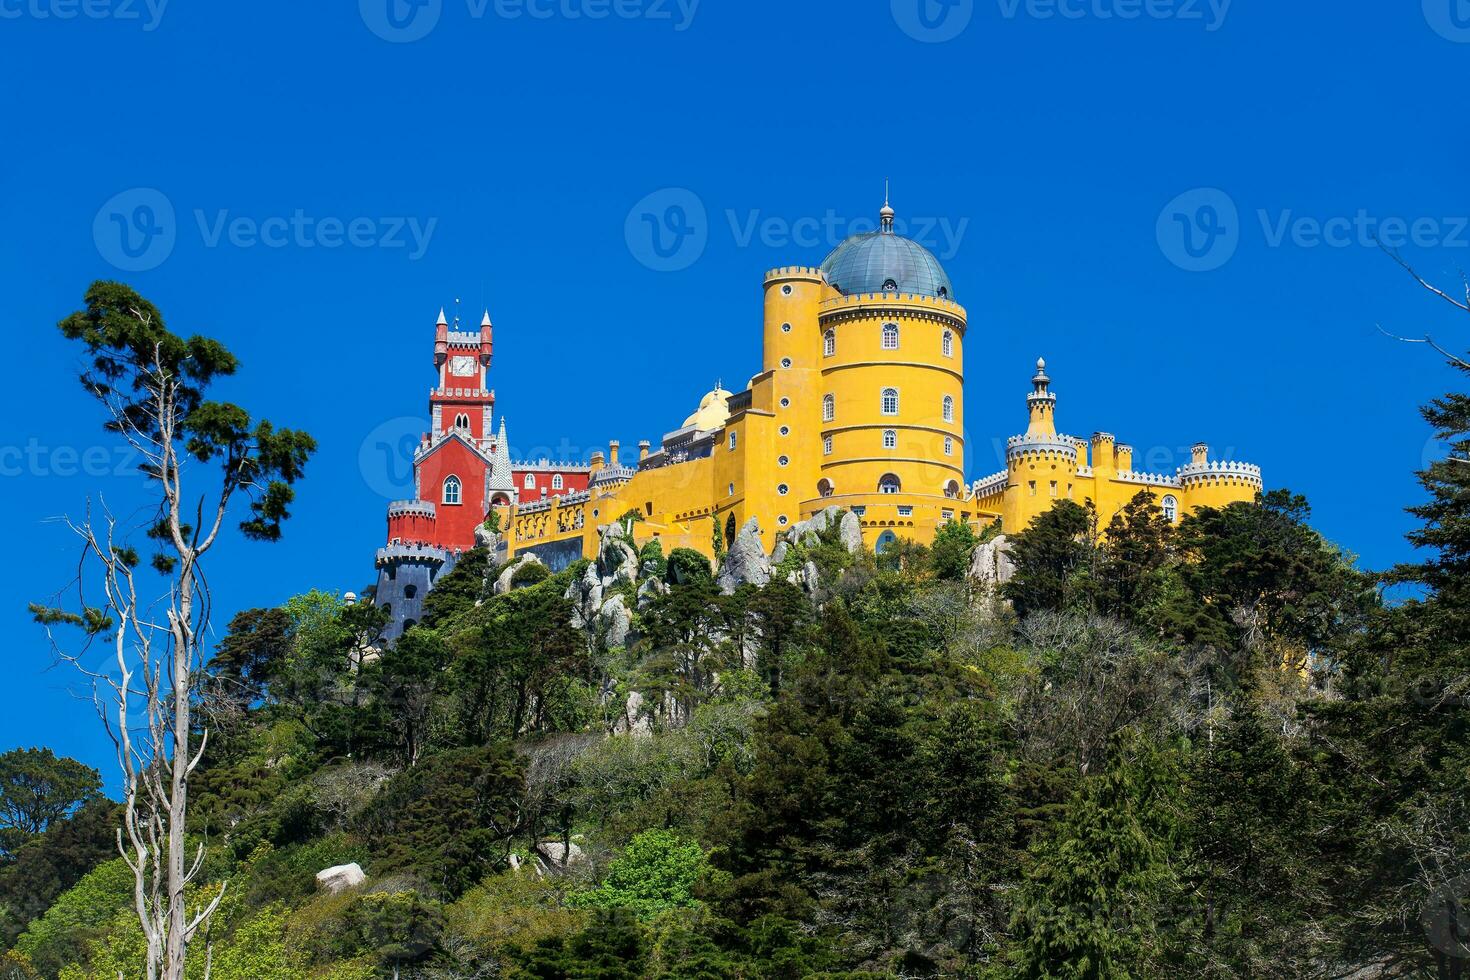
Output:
x,y
1050,138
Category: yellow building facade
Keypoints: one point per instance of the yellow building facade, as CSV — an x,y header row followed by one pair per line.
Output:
x,y
859,404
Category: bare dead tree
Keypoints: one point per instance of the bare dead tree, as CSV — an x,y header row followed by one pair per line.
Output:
x,y
153,618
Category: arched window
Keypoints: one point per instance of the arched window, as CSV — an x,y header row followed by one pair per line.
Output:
x,y
948,344
890,439
890,336
1170,505
890,401
890,285
530,481
948,409
829,408
556,482
827,446
952,489
948,446
732,442
452,490
829,343
889,483
409,591
885,541
824,488
461,421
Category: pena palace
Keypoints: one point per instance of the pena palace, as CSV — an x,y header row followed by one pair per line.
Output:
x,y
859,404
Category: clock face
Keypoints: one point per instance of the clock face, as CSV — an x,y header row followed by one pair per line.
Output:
x,y
463,366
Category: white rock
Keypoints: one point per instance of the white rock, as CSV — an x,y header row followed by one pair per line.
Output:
x,y
746,562
336,880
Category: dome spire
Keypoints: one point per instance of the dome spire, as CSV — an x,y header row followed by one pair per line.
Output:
x,y
886,215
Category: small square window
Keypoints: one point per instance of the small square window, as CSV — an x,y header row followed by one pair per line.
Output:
x,y
905,512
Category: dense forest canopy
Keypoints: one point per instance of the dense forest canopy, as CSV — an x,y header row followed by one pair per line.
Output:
x,y
1207,749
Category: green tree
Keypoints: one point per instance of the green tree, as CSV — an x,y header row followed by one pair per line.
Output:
x,y
451,818
1052,558
1099,898
38,789
949,555
656,872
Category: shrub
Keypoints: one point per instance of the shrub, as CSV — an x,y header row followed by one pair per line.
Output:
x,y
687,566
655,873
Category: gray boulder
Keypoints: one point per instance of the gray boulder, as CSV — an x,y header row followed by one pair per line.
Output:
x,y
746,562
615,621
850,532
336,880
651,587
616,559
585,595
991,565
503,583
552,854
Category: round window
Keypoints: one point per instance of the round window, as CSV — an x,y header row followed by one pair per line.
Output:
x,y
783,489
784,460
786,430
785,362
781,520
785,328
786,289
786,403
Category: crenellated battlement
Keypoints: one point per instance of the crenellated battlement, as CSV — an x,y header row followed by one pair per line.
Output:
x,y
804,272
915,301
1220,470
1146,479
1064,447
399,552
992,485
483,394
412,508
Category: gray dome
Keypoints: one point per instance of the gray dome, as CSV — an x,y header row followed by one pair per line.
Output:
x,y
882,262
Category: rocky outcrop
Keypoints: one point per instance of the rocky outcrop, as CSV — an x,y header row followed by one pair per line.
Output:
x,y
503,583
336,880
554,856
585,595
991,565
746,562
617,561
615,622
650,588
808,533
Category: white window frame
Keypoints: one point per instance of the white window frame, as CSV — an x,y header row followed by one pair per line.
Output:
x,y
452,492
529,483
826,445
890,439
1170,507
732,442
890,330
829,408
883,401
829,343
556,482
947,344
948,408
948,446
884,485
